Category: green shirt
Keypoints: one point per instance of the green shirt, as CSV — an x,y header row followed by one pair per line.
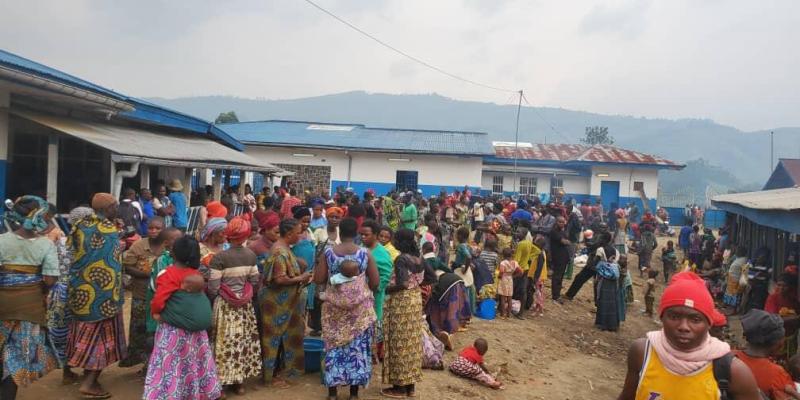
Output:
x,y
409,217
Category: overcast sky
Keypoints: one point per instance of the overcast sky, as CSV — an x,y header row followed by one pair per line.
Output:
x,y
735,61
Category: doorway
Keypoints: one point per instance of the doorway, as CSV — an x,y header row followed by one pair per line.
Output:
x,y
609,193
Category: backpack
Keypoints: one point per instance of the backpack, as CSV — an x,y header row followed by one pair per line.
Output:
x,y
722,374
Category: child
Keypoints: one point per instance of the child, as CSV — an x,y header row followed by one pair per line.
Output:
x,y
489,255
537,274
433,262
469,364
669,259
650,292
351,290
505,285
180,301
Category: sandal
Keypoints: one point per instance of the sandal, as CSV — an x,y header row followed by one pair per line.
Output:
x,y
280,384
94,396
393,393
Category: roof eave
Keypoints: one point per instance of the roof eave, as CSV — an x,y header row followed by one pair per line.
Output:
x,y
358,149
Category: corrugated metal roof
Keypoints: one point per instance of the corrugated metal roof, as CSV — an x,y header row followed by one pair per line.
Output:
x,y
359,137
779,199
135,143
576,153
792,167
144,112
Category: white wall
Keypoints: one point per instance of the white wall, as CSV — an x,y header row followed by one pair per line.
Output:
x,y
376,167
626,178
572,184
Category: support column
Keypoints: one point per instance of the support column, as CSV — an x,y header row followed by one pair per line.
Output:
x,y
144,177
216,182
52,169
187,183
5,103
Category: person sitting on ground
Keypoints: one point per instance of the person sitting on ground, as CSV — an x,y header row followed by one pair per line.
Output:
x,y
469,364
677,361
765,337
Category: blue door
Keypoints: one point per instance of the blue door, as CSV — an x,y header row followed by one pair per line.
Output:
x,y
609,193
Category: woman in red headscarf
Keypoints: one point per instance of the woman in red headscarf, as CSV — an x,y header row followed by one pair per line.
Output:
x,y
233,278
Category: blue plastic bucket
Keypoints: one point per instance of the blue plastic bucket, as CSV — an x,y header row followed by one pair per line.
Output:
x,y
314,349
487,309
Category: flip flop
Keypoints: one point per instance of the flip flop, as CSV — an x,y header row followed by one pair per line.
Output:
x,y
95,396
391,393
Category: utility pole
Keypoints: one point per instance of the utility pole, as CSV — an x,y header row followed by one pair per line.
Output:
x,y
771,151
516,144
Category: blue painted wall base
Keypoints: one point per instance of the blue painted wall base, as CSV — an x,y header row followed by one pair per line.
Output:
x,y
381,188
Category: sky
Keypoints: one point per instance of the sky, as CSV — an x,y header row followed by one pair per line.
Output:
x,y
733,61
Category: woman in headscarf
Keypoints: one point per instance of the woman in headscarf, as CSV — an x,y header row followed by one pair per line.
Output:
x,y
268,222
212,241
29,263
402,325
348,314
58,311
234,333
330,235
385,237
96,336
282,307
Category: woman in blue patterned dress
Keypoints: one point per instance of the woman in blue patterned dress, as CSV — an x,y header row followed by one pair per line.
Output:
x,y
348,323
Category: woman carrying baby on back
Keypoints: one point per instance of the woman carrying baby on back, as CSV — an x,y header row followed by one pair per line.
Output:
x,y
182,365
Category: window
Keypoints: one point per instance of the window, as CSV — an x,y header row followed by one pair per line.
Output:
x,y
497,184
527,185
406,180
556,185
638,186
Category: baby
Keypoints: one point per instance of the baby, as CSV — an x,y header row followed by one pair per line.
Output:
x,y
188,308
345,290
348,271
469,364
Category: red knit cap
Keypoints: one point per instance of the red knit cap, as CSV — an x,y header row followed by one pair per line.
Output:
x,y
688,290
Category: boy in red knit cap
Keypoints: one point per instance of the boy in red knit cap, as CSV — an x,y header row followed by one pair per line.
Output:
x,y
676,361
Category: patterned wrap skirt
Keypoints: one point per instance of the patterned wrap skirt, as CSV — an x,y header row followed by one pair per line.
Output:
x,y
58,320
24,351
181,367
237,345
351,364
137,337
447,313
96,345
402,331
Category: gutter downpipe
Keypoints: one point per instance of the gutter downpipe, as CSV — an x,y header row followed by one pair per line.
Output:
x,y
123,174
349,165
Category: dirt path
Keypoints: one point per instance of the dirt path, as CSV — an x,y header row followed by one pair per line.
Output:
x,y
555,357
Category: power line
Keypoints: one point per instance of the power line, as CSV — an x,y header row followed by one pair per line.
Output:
x,y
552,128
404,54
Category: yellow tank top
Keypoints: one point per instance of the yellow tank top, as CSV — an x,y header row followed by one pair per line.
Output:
x,y
658,383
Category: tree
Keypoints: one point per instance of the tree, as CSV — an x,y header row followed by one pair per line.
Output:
x,y
226,118
597,135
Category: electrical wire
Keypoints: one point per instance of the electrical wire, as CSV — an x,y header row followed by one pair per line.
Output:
x,y
552,128
404,54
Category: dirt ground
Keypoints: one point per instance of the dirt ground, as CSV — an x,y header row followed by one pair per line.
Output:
x,y
558,356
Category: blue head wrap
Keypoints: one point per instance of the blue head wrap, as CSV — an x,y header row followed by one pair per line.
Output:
x,y
35,220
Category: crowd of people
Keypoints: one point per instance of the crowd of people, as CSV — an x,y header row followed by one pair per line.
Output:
x,y
379,279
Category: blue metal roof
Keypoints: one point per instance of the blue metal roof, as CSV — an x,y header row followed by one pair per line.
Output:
x,y
144,112
359,137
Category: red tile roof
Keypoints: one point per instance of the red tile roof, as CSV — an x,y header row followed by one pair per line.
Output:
x,y
580,153
791,165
